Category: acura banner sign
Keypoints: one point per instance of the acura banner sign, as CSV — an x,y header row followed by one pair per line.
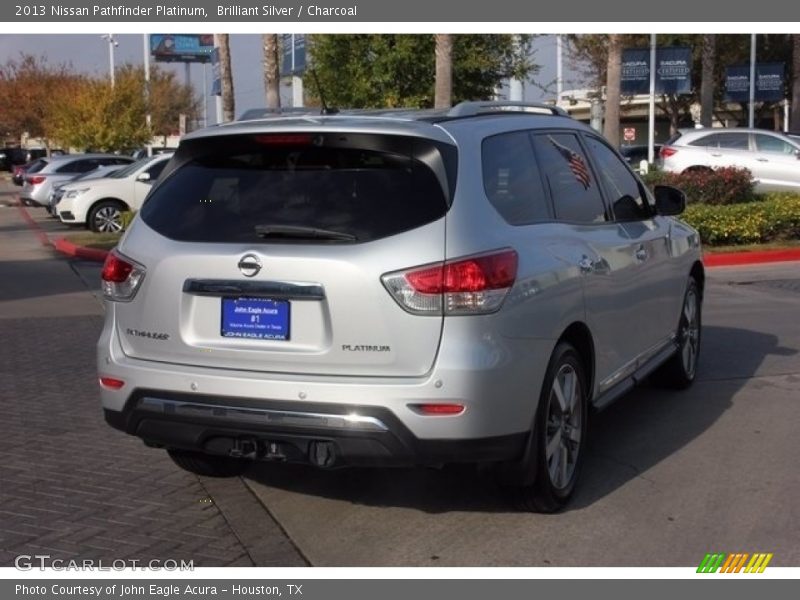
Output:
x,y
770,81
673,71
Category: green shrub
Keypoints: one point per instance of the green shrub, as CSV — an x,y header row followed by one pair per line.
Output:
x,y
726,185
127,217
775,218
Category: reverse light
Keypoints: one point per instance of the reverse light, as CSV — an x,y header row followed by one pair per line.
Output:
x,y
121,277
667,151
470,285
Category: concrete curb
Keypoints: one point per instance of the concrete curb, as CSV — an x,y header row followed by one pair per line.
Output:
x,y
61,244
733,259
35,227
66,247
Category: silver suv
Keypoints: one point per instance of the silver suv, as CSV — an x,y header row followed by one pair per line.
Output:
x,y
772,158
396,288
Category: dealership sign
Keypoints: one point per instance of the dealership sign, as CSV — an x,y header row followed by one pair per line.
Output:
x,y
168,47
770,82
293,54
673,71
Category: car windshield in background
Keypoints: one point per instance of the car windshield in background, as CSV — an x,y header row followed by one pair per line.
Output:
x,y
131,168
292,192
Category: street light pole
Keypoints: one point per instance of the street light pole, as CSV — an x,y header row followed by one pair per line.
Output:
x,y
752,104
112,43
148,118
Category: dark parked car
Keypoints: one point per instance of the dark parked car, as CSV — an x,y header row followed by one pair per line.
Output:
x,y
633,155
10,156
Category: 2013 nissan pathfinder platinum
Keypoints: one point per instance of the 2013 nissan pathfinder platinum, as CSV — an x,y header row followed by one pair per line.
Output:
x,y
396,288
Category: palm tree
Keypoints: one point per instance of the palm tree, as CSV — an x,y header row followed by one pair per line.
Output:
x,y
613,83
708,58
272,78
443,91
226,77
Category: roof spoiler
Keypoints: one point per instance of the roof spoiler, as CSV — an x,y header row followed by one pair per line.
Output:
x,y
470,109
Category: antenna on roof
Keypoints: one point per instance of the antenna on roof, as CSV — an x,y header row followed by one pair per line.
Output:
x,y
326,110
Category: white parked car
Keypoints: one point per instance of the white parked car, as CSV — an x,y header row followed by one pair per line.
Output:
x,y
771,157
99,203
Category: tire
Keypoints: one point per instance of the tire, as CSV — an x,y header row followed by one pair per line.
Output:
x,y
559,435
106,217
208,465
698,169
680,370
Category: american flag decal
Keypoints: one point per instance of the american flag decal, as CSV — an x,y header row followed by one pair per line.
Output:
x,y
576,164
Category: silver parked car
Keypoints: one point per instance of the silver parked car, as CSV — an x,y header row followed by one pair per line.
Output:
x,y
772,158
399,288
60,169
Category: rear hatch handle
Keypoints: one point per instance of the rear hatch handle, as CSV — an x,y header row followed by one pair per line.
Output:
x,y
281,290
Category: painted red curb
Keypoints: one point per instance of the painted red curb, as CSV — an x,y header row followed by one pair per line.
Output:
x,y
731,259
66,247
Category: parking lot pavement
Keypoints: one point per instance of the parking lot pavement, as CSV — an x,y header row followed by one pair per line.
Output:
x,y
669,476
70,486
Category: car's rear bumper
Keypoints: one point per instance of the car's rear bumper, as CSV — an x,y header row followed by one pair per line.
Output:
x,y
320,434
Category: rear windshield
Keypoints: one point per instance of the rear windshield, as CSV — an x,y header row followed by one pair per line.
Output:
x,y
299,188
37,166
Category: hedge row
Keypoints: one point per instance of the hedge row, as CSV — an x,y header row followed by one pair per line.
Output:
x,y
726,185
775,218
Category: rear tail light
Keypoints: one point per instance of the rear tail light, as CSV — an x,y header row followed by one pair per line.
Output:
x,y
35,179
435,410
287,139
121,277
464,286
111,383
667,151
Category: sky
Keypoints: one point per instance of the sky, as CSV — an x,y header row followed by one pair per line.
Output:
x,y
89,53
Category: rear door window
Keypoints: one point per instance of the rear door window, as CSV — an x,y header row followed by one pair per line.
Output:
x,y
281,188
78,166
732,141
511,178
573,188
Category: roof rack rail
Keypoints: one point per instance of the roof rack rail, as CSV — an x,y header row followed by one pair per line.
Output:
x,y
471,109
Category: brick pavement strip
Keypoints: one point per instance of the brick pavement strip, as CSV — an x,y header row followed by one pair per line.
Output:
x,y
72,487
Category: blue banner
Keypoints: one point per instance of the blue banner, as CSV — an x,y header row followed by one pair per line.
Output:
x,y
635,71
673,71
770,82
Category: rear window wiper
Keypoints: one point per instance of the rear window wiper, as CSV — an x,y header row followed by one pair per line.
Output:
x,y
300,232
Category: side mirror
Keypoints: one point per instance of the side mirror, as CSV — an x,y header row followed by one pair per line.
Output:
x,y
143,177
670,201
